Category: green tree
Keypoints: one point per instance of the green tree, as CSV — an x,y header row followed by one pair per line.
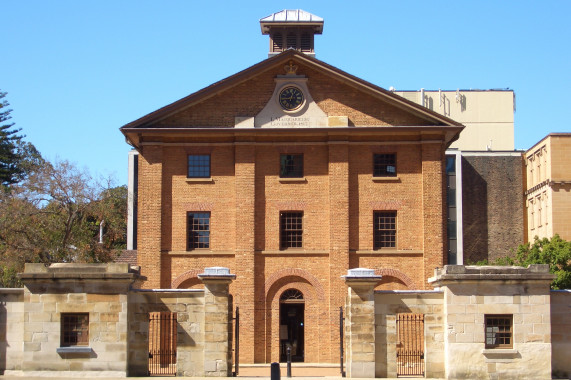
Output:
x,y
17,157
9,139
555,251
55,216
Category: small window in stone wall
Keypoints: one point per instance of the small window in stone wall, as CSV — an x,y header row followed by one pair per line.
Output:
x,y
74,329
499,331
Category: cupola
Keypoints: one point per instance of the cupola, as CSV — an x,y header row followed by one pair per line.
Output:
x,y
291,29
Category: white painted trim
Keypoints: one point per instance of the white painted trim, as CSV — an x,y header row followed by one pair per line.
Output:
x,y
459,219
131,199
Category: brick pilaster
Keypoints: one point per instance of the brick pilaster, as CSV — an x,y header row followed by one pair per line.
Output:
x,y
338,235
150,215
245,239
433,207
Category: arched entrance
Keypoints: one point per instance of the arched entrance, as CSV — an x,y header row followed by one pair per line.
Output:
x,y
292,313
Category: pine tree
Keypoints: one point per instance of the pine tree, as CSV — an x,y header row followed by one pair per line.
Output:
x,y
10,169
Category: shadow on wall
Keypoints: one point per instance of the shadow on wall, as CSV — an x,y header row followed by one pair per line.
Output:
x,y
474,213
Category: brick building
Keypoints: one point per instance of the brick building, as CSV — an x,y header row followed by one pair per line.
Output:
x,y
289,173
484,172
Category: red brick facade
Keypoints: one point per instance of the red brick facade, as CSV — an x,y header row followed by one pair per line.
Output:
x,y
245,196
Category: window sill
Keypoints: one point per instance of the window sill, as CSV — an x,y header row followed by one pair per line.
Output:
x,y
200,252
74,350
497,355
389,251
293,180
294,251
199,180
386,179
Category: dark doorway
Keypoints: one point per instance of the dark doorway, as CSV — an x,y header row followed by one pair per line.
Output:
x,y
292,309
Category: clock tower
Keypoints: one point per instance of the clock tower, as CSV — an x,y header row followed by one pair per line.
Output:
x,y
291,29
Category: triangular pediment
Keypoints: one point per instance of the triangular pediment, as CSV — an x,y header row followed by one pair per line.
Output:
x,y
233,101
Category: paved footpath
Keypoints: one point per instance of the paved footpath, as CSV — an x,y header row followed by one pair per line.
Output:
x,y
190,378
200,378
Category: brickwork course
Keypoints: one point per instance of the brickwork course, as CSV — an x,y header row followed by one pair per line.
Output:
x,y
493,216
245,195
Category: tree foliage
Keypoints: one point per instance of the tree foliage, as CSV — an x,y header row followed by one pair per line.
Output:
x,y
10,142
55,216
555,251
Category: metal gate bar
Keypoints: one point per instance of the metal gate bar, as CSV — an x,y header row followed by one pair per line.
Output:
x,y
162,343
410,346
341,343
236,343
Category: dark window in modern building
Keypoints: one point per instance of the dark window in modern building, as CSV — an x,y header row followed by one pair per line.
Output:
x,y
385,229
499,331
291,229
74,329
198,230
384,165
291,166
452,210
199,166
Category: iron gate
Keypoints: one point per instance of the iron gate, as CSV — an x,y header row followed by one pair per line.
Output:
x,y
236,342
410,345
162,343
341,343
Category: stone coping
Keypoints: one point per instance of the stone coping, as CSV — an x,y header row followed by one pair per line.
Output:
x,y
361,280
78,276
410,291
457,273
11,290
63,271
168,290
82,268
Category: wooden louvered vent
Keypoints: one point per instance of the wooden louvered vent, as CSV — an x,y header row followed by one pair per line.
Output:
x,y
278,42
292,40
305,42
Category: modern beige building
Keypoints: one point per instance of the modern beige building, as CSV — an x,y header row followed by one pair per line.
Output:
x,y
485,219
548,187
488,115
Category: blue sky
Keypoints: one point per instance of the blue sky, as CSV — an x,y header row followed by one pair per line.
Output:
x,y
76,71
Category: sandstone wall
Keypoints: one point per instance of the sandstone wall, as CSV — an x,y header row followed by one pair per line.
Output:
x,y
388,304
561,333
189,306
11,328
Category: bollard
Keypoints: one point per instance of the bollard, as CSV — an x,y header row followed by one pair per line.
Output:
x,y
275,371
288,361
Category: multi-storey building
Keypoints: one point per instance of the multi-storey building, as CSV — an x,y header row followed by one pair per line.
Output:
x,y
289,173
548,187
484,173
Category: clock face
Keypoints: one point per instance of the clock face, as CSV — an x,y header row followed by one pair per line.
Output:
x,y
291,98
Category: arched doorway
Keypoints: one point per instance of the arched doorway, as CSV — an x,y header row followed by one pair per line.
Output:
x,y
292,310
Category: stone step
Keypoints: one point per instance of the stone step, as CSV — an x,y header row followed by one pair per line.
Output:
x,y
297,370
